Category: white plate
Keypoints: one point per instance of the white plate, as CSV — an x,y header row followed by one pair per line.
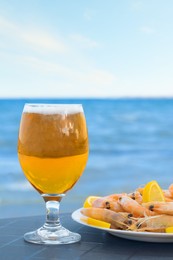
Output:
x,y
132,235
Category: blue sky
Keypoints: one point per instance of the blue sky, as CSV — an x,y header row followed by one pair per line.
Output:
x,y
93,48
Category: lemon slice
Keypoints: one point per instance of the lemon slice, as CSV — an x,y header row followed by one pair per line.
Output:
x,y
95,222
152,192
169,230
88,202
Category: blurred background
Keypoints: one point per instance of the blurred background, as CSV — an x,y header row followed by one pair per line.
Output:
x,y
115,58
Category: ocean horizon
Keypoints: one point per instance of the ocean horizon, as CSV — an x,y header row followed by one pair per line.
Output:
x,y
131,143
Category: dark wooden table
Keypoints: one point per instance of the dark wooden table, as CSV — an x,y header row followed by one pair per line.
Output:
x,y
95,244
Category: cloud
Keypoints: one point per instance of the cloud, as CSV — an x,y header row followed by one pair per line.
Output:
x,y
32,38
92,76
137,5
147,30
83,41
29,50
46,66
38,39
101,77
6,25
88,15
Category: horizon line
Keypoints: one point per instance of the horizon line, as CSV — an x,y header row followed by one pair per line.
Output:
x,y
114,97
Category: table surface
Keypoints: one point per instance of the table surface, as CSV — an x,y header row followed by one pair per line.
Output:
x,y
95,244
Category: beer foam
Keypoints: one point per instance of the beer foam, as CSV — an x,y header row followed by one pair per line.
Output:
x,y
48,109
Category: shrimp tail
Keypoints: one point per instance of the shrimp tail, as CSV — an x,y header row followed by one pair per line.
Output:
x,y
156,223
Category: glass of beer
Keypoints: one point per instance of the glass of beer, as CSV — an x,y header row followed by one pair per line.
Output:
x,y
53,152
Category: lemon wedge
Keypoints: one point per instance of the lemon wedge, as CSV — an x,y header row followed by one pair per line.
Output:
x,y
169,230
152,192
89,200
95,222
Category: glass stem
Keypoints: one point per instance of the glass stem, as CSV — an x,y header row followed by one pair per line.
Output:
x,y
52,215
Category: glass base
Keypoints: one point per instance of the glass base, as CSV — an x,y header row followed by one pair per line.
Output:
x,y
49,237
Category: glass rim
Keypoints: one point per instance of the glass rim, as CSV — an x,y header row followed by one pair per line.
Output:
x,y
53,104
43,108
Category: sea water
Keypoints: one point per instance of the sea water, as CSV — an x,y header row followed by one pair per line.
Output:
x,y
131,143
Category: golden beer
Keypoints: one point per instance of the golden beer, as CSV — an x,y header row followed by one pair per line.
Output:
x,y
53,149
53,152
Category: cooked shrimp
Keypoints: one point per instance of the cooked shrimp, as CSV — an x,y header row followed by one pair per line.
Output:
x,y
171,189
136,196
153,223
140,190
133,207
168,196
108,202
160,207
116,196
118,220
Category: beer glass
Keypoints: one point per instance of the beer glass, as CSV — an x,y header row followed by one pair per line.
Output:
x,y
53,152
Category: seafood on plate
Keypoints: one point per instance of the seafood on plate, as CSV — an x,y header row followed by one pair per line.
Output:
x,y
147,209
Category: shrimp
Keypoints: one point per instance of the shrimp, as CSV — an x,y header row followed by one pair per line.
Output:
x,y
167,195
116,196
153,223
108,202
160,207
111,201
171,189
133,207
136,196
117,220
140,190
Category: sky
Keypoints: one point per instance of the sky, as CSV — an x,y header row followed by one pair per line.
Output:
x,y
93,48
